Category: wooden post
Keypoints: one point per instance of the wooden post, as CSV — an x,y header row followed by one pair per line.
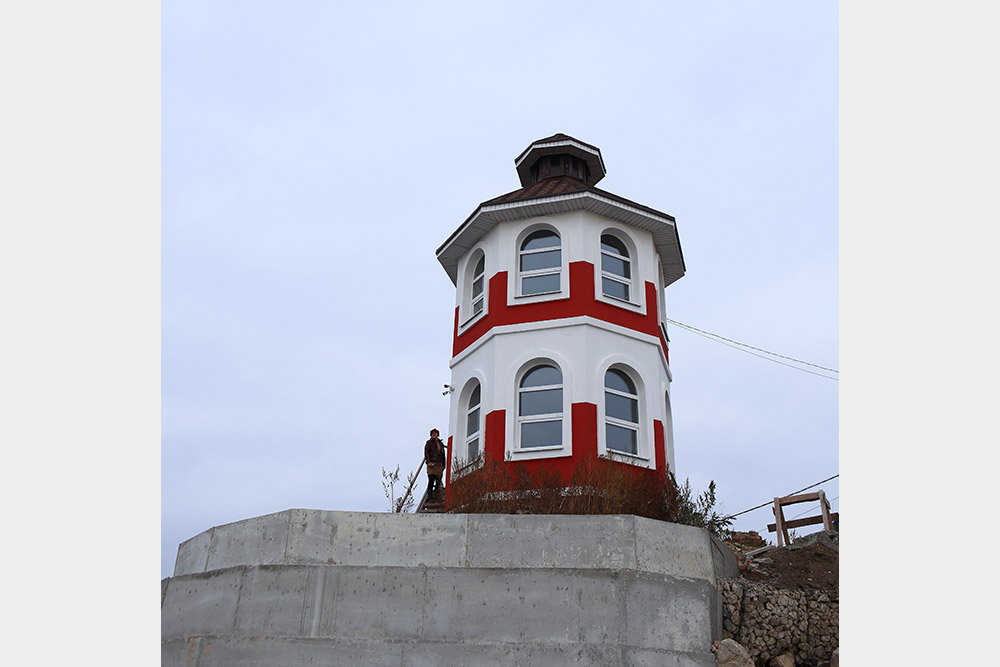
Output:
x,y
824,507
779,523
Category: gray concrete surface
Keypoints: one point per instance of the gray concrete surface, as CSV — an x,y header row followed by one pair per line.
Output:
x,y
298,536
344,588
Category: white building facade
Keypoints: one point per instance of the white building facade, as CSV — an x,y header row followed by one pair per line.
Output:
x,y
560,350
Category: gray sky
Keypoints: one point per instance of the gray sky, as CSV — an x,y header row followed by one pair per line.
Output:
x,y
314,155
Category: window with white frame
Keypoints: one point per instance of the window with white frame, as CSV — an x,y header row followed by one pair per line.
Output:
x,y
473,423
540,407
540,263
478,291
621,412
616,268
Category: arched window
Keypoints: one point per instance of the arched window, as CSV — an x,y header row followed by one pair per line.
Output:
x,y
539,408
472,425
621,411
477,286
540,263
616,269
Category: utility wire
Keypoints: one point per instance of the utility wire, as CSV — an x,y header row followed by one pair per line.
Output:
x,y
733,343
733,516
809,510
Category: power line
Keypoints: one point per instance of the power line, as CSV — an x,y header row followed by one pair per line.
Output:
x,y
729,342
809,510
733,516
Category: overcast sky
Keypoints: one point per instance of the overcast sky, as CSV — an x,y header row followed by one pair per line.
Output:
x,y
315,154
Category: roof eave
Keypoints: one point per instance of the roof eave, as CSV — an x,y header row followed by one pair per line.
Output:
x,y
662,226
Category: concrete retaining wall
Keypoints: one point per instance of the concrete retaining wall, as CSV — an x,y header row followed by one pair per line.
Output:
x,y
331,588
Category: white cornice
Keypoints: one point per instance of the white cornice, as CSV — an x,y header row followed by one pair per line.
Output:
x,y
486,217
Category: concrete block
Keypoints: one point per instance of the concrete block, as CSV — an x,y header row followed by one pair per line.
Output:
x,y
672,549
257,541
564,541
280,651
508,655
271,602
377,539
667,613
537,605
201,604
378,602
646,657
192,555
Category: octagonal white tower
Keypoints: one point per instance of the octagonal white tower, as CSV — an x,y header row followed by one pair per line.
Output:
x,y
560,350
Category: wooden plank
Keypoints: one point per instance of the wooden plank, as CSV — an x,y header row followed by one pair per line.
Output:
x,y
803,498
808,521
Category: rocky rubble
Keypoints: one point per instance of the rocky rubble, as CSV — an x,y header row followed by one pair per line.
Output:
x,y
794,613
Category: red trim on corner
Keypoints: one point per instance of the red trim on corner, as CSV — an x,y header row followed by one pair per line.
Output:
x,y
493,437
582,302
659,447
447,471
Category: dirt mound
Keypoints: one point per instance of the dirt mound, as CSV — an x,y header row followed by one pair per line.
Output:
x,y
811,563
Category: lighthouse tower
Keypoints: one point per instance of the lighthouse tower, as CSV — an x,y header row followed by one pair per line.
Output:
x,y
560,350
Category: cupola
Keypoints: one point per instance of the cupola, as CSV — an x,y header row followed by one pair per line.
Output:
x,y
560,155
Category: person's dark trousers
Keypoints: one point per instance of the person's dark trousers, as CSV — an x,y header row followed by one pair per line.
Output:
x,y
433,485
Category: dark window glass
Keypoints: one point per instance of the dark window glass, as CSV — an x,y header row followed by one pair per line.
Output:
x,y
540,239
548,259
472,425
614,288
619,382
477,287
616,266
476,394
477,307
480,266
619,407
542,402
541,434
542,376
611,243
621,439
540,284
473,449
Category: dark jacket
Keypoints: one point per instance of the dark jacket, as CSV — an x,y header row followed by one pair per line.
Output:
x,y
434,456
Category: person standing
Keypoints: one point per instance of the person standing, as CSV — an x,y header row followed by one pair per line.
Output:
x,y
435,462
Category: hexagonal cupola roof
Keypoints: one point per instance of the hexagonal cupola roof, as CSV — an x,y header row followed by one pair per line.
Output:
x,y
560,155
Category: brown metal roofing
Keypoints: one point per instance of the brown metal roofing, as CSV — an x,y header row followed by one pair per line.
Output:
x,y
558,185
559,136
561,185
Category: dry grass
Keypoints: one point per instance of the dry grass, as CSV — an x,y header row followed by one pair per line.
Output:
x,y
596,486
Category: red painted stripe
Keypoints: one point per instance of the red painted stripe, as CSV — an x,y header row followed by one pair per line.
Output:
x,y
658,446
447,472
582,302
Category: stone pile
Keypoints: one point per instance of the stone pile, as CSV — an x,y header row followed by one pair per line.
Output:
x,y
770,621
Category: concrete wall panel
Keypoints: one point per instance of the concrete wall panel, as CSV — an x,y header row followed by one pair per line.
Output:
x,y
510,540
281,652
670,548
201,604
192,555
256,541
371,538
537,605
382,603
667,613
271,602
